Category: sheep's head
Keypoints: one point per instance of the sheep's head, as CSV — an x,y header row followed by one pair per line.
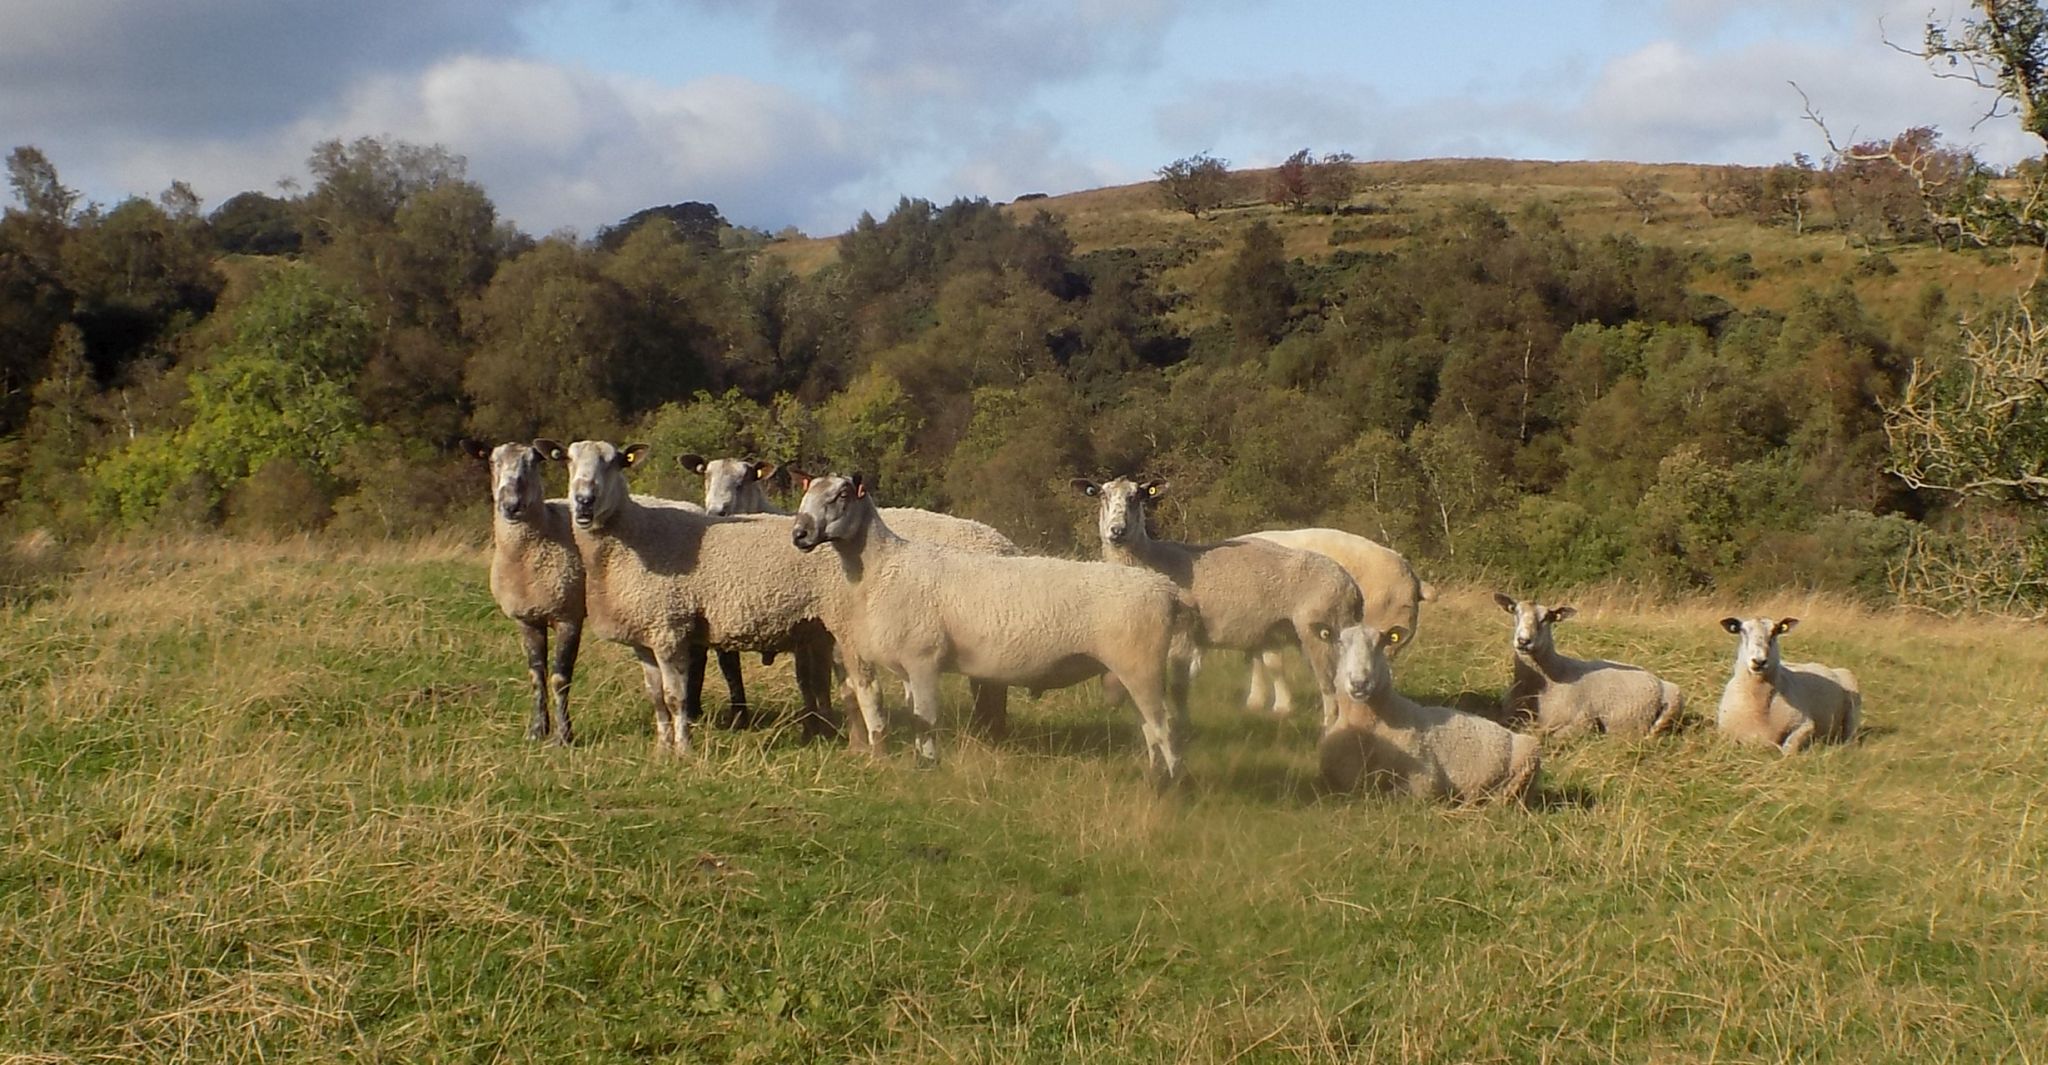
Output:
x,y
1120,514
597,477
727,481
516,488
1757,648
833,508
1532,623
1375,648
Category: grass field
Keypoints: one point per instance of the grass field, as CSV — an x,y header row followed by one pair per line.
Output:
x,y
275,802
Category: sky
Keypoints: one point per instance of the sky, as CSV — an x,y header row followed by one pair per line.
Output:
x,y
575,113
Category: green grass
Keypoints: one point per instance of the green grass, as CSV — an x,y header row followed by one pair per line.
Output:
x,y
275,802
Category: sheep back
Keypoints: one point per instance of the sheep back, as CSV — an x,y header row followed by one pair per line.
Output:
x,y
1393,593
1431,752
931,527
1574,694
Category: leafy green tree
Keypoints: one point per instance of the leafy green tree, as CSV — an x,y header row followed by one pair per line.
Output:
x,y
280,388
550,347
59,437
1257,293
34,180
251,223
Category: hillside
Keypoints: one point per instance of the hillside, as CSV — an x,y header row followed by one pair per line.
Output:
x,y
1752,266
273,801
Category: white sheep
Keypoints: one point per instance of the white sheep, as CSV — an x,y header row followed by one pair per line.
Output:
x,y
1568,695
919,610
735,486
1391,744
1252,595
1393,597
669,580
536,577
1786,706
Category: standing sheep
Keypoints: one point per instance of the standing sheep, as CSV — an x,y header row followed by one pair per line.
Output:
x,y
1393,597
669,580
1392,744
536,577
1786,706
734,486
1251,595
919,609
1568,695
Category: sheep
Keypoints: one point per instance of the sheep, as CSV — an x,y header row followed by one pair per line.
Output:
x,y
1390,743
667,580
1784,705
1569,695
1393,594
536,577
1252,595
734,486
919,609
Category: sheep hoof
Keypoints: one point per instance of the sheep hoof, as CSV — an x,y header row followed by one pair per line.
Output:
x,y
927,753
561,738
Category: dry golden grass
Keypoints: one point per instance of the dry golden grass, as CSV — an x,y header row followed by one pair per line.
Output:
x,y
274,801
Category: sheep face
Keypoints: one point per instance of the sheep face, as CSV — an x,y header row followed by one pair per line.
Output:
x,y
726,481
1120,513
833,508
1533,620
516,486
1374,646
597,479
1757,648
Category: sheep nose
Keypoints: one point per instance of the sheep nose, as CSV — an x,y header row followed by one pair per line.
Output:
x,y
1524,645
510,508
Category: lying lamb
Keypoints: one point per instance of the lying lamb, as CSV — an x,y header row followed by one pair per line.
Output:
x,y
1786,706
1567,695
1393,745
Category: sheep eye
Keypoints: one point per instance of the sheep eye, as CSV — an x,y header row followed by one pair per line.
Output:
x,y
1393,637
1323,633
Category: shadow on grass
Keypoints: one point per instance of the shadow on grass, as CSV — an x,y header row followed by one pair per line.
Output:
x,y
1553,798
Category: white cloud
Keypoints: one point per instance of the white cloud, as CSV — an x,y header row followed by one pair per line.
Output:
x,y
558,146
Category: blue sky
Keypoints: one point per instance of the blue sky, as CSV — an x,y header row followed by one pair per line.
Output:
x,y
574,113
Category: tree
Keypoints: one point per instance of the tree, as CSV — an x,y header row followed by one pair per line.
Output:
x,y
1303,181
1257,293
34,180
251,223
1977,422
1645,193
1195,184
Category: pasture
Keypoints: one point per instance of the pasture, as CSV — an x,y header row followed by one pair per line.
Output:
x,y
275,801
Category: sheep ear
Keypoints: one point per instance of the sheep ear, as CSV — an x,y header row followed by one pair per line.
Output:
x,y
1733,625
1558,614
860,486
631,457
1393,636
692,462
803,480
1155,489
550,450
1505,601
1086,487
474,448
1784,626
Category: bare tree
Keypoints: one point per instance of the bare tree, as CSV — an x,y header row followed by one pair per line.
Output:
x,y
1644,193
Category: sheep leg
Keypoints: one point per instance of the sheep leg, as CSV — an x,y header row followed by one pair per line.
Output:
x,y
650,675
535,637
693,682
1852,718
1283,699
1796,740
568,638
923,681
867,693
991,718
675,684
814,687
1257,696
1162,739
736,715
